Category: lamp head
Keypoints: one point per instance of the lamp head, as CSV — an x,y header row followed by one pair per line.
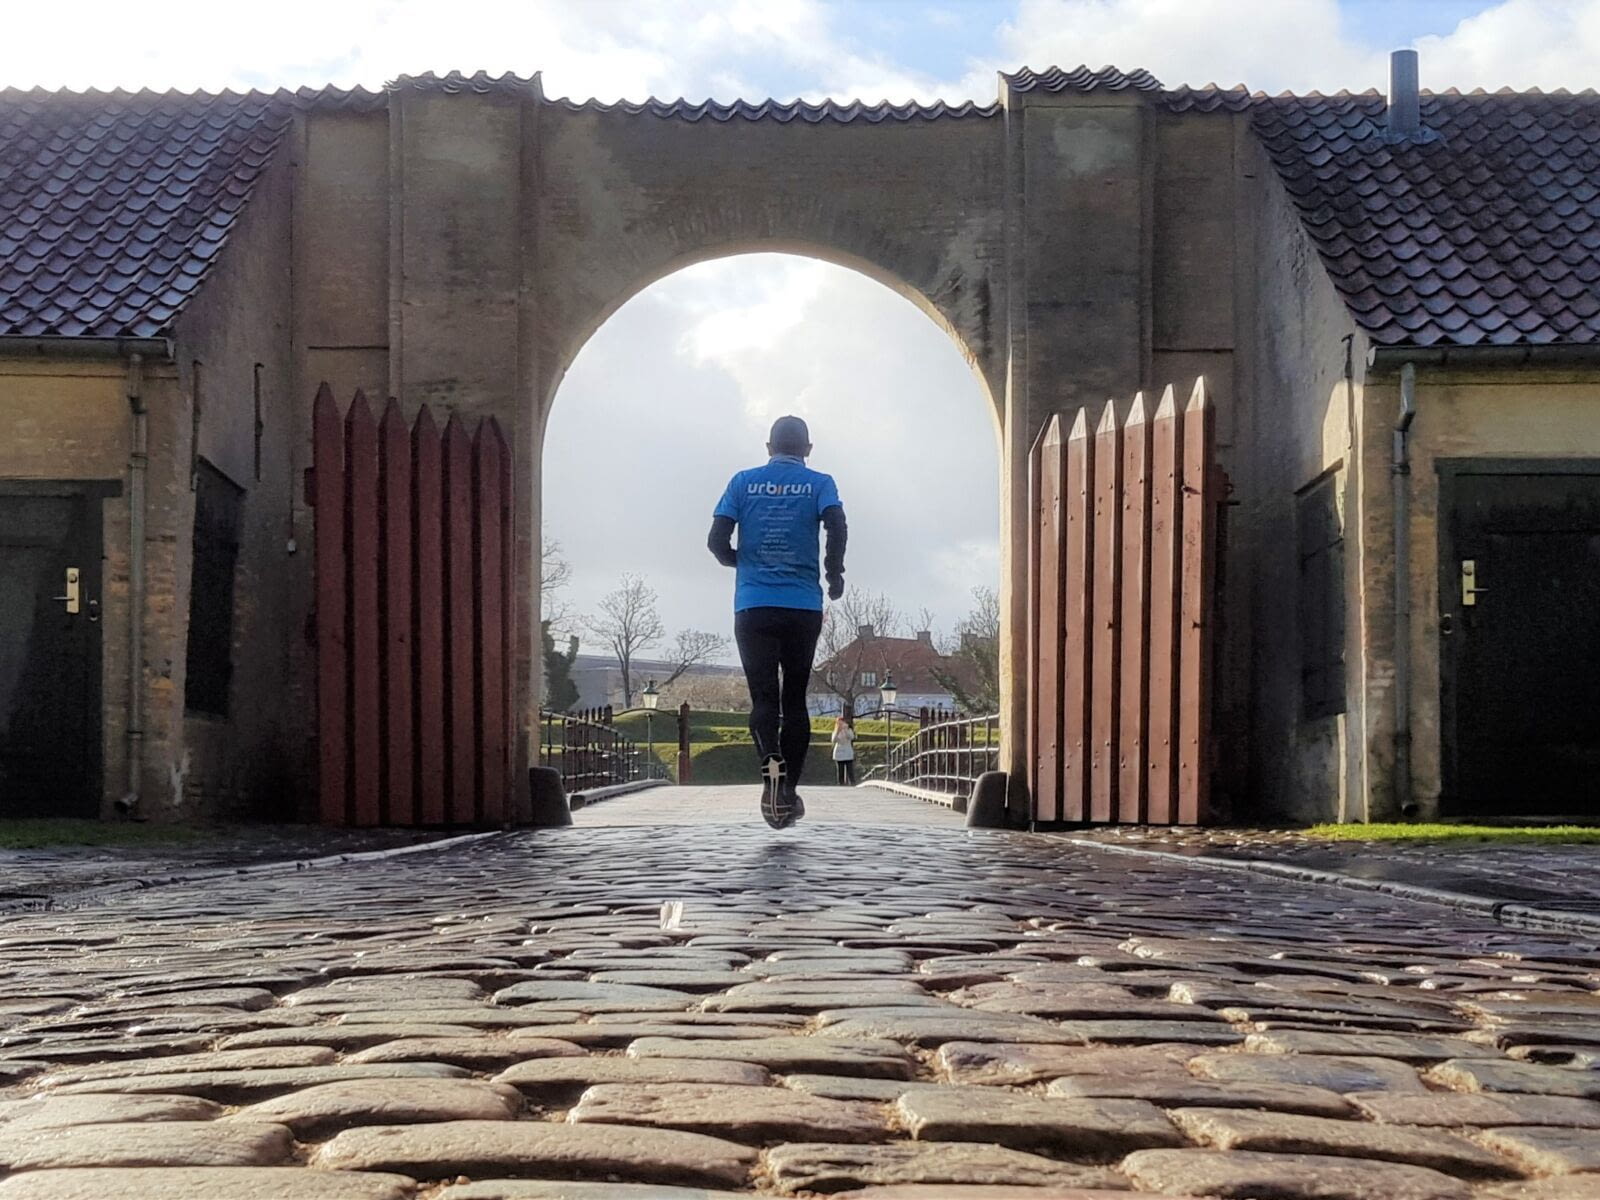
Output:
x,y
888,691
651,695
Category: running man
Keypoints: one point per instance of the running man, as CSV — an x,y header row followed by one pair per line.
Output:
x,y
777,599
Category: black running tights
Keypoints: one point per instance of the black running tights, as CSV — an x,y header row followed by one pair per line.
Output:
x,y
776,646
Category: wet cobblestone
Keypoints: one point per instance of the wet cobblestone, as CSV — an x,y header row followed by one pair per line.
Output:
x,y
877,1002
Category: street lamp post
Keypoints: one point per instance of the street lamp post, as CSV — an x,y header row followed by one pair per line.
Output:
x,y
887,694
651,697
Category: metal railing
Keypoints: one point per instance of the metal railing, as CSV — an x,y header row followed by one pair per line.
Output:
x,y
946,754
590,752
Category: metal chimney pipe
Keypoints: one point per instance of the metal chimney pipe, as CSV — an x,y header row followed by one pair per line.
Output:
x,y
1405,116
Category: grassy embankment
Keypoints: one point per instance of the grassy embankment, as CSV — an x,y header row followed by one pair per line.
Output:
x,y
1437,832
720,746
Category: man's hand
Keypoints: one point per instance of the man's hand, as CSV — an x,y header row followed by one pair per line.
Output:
x,y
835,586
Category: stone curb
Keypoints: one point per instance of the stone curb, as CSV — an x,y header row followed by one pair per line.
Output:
x,y
1519,916
595,795
916,793
84,897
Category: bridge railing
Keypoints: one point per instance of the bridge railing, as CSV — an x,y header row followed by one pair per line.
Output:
x,y
590,752
946,754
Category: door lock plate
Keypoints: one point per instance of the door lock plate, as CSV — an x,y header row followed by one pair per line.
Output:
x,y
72,597
1470,591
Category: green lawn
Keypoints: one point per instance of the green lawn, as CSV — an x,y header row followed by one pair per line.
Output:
x,y
37,834
1456,833
720,746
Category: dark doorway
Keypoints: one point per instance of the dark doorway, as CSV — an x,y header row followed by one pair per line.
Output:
x,y
50,757
1519,578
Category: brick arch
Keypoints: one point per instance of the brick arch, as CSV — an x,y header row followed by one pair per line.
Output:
x,y
909,197
574,341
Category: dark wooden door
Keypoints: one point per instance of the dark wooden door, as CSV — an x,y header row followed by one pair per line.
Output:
x,y
1520,635
50,759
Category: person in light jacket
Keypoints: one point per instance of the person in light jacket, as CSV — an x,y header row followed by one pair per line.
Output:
x,y
844,749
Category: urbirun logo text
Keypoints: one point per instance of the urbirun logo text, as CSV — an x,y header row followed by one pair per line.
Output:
x,y
778,489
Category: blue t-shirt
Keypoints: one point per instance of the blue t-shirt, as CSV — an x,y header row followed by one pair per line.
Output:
x,y
778,508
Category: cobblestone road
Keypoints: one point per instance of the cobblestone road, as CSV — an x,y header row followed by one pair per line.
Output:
x,y
886,1006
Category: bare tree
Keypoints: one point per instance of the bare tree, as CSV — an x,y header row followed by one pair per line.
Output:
x,y
925,621
845,654
555,573
628,623
971,672
693,648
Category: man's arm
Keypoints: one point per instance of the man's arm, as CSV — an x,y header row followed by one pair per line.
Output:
x,y
720,541
833,556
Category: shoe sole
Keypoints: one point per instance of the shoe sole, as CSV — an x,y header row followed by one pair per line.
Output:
x,y
773,810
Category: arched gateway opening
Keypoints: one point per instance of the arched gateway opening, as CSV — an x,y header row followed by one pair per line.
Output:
x,y
676,391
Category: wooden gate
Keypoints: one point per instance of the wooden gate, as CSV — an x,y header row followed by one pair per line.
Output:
x,y
1121,572
413,617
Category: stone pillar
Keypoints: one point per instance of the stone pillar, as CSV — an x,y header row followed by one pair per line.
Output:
x,y
462,174
1078,287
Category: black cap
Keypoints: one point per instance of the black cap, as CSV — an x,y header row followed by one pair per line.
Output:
x,y
789,436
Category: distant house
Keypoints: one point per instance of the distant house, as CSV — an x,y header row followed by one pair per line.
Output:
x,y
598,678
851,677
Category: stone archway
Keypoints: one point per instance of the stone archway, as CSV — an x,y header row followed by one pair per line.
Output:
x,y
630,196
457,239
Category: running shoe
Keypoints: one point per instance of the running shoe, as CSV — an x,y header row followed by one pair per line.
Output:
x,y
775,806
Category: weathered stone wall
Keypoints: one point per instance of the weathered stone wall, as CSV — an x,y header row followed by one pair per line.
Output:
x,y
1299,429
233,351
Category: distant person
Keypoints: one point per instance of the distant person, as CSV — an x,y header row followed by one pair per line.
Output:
x,y
844,749
777,599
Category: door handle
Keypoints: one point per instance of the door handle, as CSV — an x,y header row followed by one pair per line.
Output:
x,y
72,597
1470,591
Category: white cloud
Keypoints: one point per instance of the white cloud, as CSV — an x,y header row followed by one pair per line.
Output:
x,y
1519,44
1297,45
687,391
1272,45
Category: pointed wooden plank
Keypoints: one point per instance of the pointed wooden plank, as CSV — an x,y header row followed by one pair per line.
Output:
x,y
399,713
1134,648
366,692
333,661
1052,536
1166,515
1194,669
1078,569
461,743
427,517
488,449
1104,680
1035,509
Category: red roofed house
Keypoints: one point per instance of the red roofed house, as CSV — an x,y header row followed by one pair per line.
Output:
x,y
850,677
1394,302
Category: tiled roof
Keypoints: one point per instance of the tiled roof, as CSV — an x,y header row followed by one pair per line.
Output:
x,y
1081,79
1209,99
1485,233
114,206
480,83
783,113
